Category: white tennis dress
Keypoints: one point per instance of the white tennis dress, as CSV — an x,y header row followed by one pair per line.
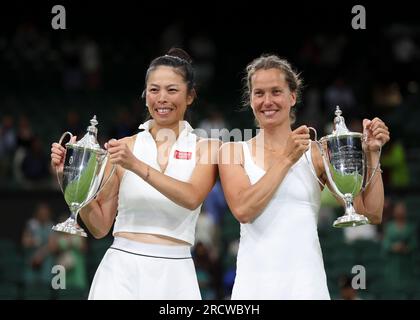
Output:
x,y
134,270
279,252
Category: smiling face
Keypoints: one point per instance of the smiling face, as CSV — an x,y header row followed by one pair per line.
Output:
x,y
167,96
271,98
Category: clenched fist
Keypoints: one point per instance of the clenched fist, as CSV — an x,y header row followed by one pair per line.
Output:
x,y
120,154
58,155
376,132
297,144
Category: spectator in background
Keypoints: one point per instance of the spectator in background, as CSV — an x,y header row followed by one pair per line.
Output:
x,y
204,50
395,165
36,245
123,125
399,243
70,253
386,96
215,204
214,125
73,124
365,232
340,94
206,271
91,64
72,76
25,134
311,113
7,144
34,164
7,136
206,231
229,267
347,292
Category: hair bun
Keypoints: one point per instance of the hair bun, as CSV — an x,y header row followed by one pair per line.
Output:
x,y
179,53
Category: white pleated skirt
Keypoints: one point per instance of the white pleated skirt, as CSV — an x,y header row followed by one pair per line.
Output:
x,y
131,270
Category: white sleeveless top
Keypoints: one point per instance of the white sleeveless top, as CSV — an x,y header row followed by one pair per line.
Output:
x,y
142,208
279,252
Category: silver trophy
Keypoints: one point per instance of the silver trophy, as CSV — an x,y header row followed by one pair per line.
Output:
x,y
344,158
83,176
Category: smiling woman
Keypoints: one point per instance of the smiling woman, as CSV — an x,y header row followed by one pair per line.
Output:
x,y
170,91
158,189
274,195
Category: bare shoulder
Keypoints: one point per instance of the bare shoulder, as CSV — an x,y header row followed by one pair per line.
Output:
x,y
231,153
207,150
230,146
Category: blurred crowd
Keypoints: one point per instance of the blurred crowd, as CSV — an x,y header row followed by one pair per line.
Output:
x,y
52,85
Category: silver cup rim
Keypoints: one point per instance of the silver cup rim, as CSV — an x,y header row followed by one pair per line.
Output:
x,y
334,136
96,150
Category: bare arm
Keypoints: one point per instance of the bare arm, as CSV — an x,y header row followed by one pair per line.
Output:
x,y
188,194
247,201
371,201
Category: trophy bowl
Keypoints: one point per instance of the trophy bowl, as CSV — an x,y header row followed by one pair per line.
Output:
x,y
82,177
344,163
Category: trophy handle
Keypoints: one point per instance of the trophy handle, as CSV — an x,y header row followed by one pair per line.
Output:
x,y
107,179
335,191
376,168
60,143
310,161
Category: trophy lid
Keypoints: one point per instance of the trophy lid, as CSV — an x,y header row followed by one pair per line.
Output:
x,y
89,141
340,128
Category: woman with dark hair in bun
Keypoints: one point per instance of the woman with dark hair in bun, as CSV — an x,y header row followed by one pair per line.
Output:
x,y
163,174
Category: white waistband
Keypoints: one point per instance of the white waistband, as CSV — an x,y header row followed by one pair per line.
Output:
x,y
151,250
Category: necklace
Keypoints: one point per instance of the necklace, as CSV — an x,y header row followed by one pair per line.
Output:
x,y
271,149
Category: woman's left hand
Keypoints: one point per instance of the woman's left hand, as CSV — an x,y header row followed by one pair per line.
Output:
x,y
376,132
120,154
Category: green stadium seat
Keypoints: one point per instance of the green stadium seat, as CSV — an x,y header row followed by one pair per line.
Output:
x,y
9,291
72,294
38,292
6,246
11,267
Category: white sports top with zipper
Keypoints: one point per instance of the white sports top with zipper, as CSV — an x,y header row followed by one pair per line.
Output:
x,y
142,208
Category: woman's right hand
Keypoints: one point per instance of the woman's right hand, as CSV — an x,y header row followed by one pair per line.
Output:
x,y
297,144
58,155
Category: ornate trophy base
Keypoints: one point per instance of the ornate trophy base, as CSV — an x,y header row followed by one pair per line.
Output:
x,y
350,220
70,226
